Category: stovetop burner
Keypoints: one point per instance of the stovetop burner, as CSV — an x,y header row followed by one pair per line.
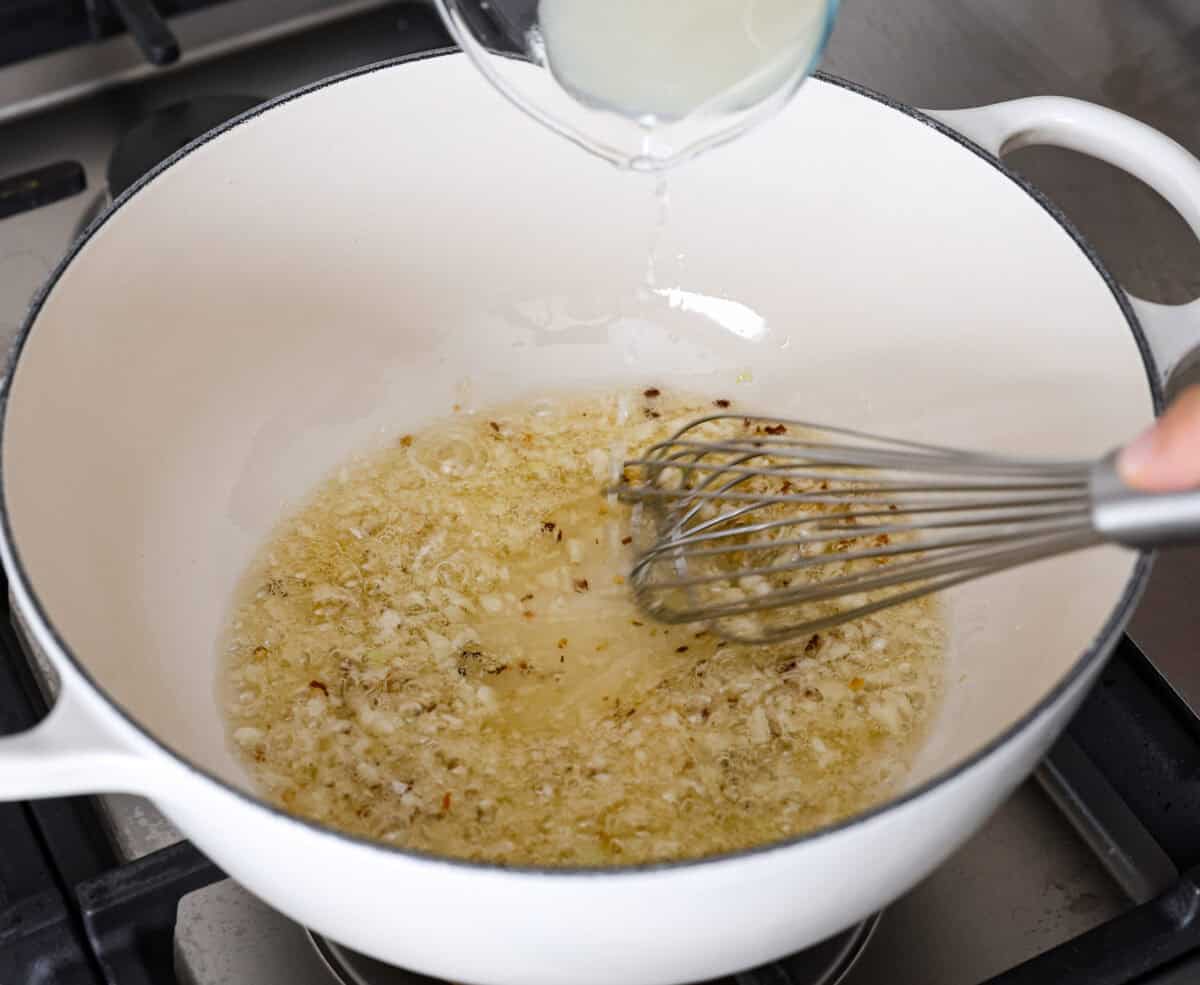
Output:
x,y
156,137
167,130
828,963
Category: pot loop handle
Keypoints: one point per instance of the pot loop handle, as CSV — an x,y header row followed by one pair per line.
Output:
x,y
70,751
1172,331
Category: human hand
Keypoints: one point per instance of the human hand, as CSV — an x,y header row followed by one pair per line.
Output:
x,y
1166,457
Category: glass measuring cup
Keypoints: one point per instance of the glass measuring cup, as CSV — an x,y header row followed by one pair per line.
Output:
x,y
644,84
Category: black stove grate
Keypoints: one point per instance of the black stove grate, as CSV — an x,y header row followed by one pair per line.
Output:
x,y
42,938
1134,736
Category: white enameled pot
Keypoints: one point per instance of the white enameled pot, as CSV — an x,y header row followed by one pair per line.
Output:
x,y
353,259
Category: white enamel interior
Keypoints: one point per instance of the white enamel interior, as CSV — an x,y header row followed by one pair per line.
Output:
x,y
353,262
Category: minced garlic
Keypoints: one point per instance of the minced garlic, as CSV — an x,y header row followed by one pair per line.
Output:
x,y
439,651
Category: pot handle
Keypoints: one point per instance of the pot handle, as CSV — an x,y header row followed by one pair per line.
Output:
x,y
70,751
1172,331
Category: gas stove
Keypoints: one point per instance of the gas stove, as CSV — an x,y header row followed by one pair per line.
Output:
x,y
1087,876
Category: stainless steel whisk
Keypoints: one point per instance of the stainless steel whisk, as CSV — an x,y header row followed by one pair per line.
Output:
x,y
769,528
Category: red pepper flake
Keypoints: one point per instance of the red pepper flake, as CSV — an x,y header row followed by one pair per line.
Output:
x,y
626,540
527,614
446,801
547,527
681,649
652,392
581,584
320,687
723,404
776,429
857,684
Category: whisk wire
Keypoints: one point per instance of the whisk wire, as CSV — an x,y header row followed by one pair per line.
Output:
x,y
803,526
845,557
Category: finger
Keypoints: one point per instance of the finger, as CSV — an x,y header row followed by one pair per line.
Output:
x,y
1166,457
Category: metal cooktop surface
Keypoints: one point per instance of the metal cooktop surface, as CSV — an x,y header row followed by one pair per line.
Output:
x,y
1111,823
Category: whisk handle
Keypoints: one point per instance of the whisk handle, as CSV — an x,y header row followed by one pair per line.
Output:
x,y
1140,519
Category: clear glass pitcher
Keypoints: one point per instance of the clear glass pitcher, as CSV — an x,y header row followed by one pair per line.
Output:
x,y
644,84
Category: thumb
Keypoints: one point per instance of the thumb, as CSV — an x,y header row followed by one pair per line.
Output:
x,y
1166,457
